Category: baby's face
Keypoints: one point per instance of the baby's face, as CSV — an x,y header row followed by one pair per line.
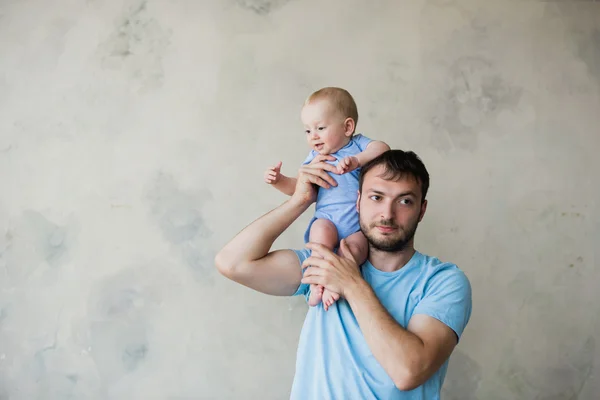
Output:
x,y
326,130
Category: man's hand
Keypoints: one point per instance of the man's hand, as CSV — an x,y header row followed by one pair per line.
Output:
x,y
273,174
312,175
348,164
332,271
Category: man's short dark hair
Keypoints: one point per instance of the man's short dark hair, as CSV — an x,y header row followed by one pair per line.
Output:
x,y
398,165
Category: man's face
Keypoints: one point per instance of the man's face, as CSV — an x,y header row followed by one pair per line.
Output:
x,y
389,211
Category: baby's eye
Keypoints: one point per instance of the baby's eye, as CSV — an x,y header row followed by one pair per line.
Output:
x,y
321,128
307,132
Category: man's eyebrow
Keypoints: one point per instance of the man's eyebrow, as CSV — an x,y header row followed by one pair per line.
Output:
x,y
409,193
403,194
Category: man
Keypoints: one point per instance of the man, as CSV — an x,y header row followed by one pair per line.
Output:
x,y
401,314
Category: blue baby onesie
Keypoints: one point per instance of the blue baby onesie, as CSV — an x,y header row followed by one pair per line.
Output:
x,y
338,203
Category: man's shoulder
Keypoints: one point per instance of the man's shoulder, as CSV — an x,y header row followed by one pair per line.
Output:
x,y
445,294
436,270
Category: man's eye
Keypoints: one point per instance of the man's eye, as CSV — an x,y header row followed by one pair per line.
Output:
x,y
406,201
375,197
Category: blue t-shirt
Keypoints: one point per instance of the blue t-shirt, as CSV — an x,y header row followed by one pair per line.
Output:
x,y
334,360
338,203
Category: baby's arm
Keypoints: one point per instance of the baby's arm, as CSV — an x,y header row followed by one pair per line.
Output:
x,y
374,149
286,185
275,178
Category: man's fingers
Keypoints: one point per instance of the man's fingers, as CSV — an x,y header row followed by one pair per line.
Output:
x,y
314,261
317,180
316,280
323,157
317,174
323,174
327,167
312,271
321,166
310,262
323,251
324,180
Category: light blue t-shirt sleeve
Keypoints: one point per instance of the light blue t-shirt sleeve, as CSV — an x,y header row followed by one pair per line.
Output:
x,y
362,141
447,298
304,287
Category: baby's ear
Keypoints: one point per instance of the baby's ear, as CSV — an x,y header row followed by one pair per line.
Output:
x,y
349,125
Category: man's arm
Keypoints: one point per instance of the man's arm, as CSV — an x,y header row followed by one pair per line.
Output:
x,y
409,356
246,258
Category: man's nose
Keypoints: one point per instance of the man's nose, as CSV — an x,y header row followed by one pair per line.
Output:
x,y
387,210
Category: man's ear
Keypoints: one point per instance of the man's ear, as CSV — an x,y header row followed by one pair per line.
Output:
x,y
349,126
358,203
423,209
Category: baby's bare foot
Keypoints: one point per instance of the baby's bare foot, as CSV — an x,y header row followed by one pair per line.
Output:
x,y
316,295
329,298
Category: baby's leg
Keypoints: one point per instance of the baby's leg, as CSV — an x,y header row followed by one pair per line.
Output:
x,y
358,246
324,232
359,249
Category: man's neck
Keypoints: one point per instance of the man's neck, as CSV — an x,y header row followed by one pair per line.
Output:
x,y
391,261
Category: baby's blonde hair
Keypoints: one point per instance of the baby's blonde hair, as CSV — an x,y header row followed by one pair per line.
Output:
x,y
340,99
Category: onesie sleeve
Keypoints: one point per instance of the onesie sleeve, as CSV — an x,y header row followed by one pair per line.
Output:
x,y
362,141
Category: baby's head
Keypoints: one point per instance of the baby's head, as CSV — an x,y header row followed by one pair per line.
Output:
x,y
329,116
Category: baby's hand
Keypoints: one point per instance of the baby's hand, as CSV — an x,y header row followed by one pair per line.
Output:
x,y
273,174
347,164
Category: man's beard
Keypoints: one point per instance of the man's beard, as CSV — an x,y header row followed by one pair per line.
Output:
x,y
389,244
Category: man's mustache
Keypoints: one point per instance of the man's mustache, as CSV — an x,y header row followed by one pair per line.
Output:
x,y
386,222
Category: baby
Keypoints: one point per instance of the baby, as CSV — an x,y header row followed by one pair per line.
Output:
x,y
330,116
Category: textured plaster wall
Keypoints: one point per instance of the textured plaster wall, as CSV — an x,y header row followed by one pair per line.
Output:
x,y
133,139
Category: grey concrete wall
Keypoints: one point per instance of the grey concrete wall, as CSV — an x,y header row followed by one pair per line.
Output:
x,y
133,139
